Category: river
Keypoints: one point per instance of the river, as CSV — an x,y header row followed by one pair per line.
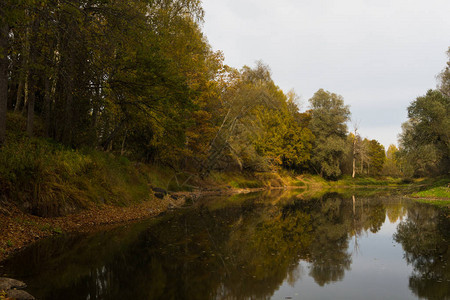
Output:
x,y
270,245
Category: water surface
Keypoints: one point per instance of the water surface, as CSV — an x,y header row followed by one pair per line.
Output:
x,y
259,246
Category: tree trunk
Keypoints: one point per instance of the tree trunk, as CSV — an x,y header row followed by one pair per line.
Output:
x,y
30,108
26,93
107,143
355,139
4,32
46,108
19,95
68,111
122,150
26,64
32,77
354,158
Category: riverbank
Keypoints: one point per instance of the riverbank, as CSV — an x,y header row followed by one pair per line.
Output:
x,y
48,189
20,229
434,191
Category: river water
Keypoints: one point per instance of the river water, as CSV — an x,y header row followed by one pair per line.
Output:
x,y
272,245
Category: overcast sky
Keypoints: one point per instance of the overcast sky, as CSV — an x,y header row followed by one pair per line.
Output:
x,y
378,54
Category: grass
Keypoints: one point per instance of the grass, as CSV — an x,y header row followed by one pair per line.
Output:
x,y
347,180
243,180
434,189
437,192
47,179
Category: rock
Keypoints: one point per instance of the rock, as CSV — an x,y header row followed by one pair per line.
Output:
x,y
19,295
159,190
159,195
9,283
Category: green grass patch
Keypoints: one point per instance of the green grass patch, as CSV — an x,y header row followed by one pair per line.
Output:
x,y
437,192
313,182
434,191
347,180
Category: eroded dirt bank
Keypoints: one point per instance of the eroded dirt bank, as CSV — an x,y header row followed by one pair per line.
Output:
x,y
18,229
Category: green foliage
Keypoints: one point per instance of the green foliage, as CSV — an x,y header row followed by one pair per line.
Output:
x,y
425,142
328,124
138,79
377,157
260,127
392,165
444,78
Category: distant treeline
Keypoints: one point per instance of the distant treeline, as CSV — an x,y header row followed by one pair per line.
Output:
x,y
138,78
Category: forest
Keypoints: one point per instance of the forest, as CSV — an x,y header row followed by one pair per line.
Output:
x,y
138,80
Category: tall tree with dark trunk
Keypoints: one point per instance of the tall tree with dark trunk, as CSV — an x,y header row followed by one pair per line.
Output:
x,y
4,37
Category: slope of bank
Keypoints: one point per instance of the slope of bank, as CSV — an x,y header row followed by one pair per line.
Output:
x,y
435,191
46,189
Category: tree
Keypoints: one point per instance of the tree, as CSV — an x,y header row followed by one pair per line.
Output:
x,y
4,32
328,124
444,78
354,148
10,15
392,166
425,137
260,127
377,157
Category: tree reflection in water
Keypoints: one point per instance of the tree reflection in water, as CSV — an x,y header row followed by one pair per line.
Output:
x,y
425,237
245,249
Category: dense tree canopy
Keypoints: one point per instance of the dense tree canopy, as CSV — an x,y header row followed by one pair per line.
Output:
x,y
138,78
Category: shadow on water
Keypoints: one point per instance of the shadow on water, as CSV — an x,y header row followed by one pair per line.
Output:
x,y
239,247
